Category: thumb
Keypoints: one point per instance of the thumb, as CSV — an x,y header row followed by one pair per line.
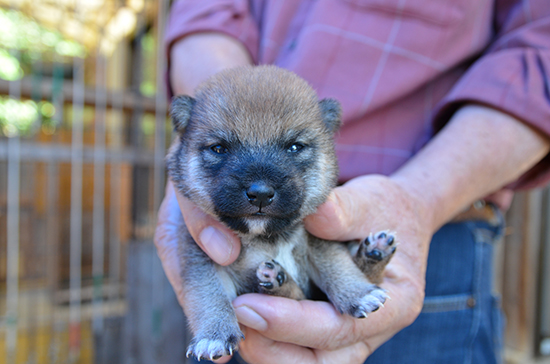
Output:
x,y
216,240
332,221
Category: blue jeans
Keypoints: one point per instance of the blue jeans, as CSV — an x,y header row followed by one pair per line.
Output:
x,y
461,321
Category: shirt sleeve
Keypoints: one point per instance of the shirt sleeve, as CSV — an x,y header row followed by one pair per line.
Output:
x,y
513,75
230,17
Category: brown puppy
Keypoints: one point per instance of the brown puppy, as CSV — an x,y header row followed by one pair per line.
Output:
x,y
255,150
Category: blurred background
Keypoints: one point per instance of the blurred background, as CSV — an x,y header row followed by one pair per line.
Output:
x,y
83,134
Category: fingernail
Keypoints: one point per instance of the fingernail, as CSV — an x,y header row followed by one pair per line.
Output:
x,y
249,317
216,244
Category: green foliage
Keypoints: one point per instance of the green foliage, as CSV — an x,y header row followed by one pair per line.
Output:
x,y
21,117
17,31
22,40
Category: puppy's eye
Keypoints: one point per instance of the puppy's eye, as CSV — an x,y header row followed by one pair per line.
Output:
x,y
219,149
294,148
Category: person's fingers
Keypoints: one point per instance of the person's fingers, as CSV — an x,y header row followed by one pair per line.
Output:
x,y
342,217
219,242
166,240
306,323
257,348
362,205
330,221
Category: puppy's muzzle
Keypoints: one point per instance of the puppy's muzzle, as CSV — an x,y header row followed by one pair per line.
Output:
x,y
260,194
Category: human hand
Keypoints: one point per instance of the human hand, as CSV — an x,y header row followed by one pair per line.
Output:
x,y
283,330
306,331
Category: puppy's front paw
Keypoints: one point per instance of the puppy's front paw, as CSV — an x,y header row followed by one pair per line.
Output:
x,y
361,306
270,276
374,253
215,347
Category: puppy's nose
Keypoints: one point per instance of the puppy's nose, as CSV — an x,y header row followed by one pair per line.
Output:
x,y
260,194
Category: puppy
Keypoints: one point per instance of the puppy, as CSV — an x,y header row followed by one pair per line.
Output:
x,y
255,150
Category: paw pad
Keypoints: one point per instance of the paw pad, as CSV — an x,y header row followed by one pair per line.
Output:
x,y
270,275
380,245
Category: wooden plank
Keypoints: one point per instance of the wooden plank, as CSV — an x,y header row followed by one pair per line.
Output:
x,y
129,100
43,152
143,323
521,266
543,329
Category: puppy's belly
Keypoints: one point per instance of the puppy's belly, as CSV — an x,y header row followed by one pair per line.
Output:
x,y
240,277
286,259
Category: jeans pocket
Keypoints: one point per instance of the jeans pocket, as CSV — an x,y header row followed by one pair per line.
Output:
x,y
440,334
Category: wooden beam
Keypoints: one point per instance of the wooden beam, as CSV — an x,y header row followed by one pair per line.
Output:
x,y
127,100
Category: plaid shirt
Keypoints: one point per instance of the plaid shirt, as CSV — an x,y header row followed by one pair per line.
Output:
x,y
400,68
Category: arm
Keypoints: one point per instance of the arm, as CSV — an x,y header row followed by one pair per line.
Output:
x,y
200,55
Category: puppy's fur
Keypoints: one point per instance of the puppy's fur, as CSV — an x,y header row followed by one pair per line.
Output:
x,y
255,150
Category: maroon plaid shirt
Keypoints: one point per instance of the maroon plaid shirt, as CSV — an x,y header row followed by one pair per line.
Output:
x,y
399,67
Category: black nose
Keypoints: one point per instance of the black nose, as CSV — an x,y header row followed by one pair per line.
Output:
x,y
260,194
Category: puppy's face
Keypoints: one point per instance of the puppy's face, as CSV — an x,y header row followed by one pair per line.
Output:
x,y
255,148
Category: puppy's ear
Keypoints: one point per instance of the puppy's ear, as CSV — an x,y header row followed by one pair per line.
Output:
x,y
332,114
180,111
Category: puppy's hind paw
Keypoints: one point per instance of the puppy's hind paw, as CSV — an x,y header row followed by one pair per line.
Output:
x,y
213,349
371,302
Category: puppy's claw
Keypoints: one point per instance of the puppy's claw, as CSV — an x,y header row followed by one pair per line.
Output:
x,y
267,285
214,348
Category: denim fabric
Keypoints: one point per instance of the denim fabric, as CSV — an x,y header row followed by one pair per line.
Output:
x,y
461,321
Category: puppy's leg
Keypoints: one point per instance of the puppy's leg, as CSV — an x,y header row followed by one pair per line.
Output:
x,y
274,280
374,253
208,306
338,276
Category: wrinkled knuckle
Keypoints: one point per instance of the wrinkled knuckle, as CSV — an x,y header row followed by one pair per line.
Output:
x,y
341,336
159,238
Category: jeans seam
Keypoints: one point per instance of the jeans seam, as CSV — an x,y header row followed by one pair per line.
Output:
x,y
447,303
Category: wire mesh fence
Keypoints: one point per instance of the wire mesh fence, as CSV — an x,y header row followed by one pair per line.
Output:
x,y
83,133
